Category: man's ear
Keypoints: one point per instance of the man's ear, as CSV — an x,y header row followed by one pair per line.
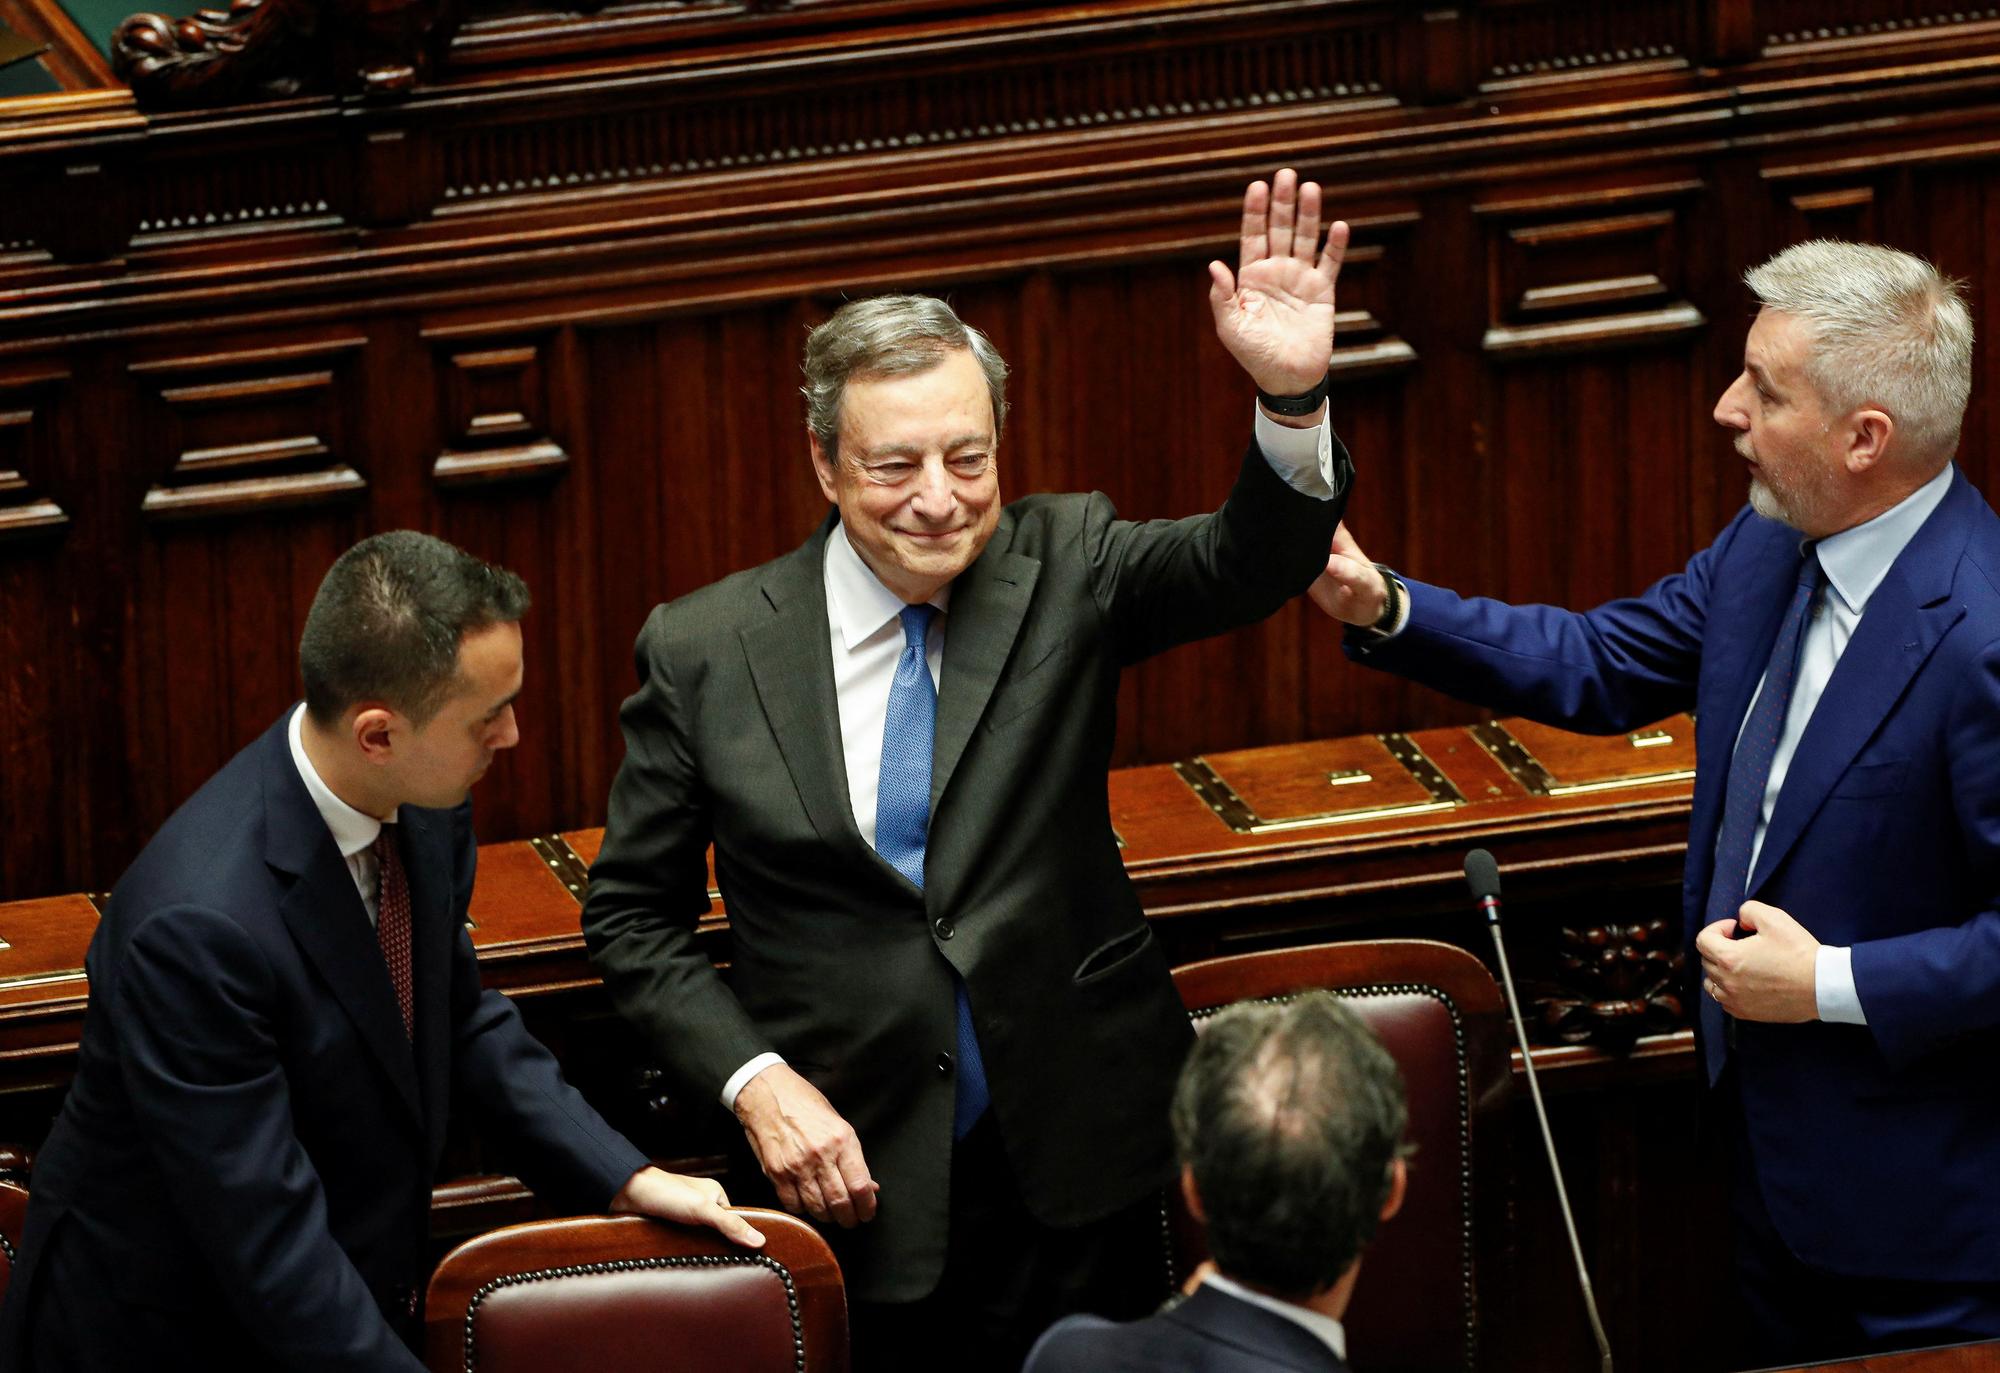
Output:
x,y
1191,1195
1399,1182
371,728
1873,429
823,470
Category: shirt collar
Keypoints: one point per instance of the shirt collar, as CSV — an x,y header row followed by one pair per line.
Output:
x,y
1325,1329
860,604
1856,560
352,830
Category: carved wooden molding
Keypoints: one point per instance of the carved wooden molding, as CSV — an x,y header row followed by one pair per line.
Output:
x,y
1563,39
252,430
25,403
827,105
1617,983
282,47
1820,25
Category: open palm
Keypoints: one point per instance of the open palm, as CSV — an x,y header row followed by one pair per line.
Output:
x,y
1275,314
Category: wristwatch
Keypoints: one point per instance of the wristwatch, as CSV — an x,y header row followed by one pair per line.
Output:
x,y
1295,406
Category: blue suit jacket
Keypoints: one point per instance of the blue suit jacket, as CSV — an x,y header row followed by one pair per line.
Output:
x,y
1878,1147
1210,1332
240,1176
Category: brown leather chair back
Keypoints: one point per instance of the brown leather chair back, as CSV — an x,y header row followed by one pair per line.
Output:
x,y
13,1217
1439,1013
606,1294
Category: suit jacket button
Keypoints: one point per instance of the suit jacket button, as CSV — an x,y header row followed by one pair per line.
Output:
x,y
943,928
944,1065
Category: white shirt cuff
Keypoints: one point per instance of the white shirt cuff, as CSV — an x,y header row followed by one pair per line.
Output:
x,y
1833,987
1302,458
740,1079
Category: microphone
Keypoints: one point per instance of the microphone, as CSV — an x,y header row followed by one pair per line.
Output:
x,y
1482,875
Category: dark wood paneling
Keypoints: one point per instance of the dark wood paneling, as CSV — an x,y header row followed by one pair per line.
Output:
x,y
586,364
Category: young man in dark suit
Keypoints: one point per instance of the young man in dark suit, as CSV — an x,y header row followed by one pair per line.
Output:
x,y
285,1012
1289,1122
948,1032
1839,643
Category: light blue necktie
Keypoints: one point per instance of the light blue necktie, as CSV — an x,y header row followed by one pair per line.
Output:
x,y
903,821
1749,776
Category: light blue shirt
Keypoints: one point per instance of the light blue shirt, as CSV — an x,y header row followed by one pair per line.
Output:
x,y
1855,561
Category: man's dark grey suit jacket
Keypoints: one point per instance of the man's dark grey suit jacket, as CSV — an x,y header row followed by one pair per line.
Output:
x,y
841,964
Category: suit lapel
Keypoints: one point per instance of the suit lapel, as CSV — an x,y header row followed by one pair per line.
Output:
x,y
790,655
427,859
1735,665
325,915
1906,617
988,602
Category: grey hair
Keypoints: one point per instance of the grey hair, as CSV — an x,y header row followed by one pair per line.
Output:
x,y
1889,330
1291,1117
889,336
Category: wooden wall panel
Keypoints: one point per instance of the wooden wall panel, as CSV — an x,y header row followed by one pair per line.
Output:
x,y
582,361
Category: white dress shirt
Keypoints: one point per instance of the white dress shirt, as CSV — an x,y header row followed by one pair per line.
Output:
x,y
353,832
1855,560
867,639
1325,1329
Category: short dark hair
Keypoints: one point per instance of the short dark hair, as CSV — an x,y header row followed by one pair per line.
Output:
x,y
1290,1116
386,623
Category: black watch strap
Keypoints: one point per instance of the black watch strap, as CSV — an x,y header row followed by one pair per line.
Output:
x,y
1392,602
1296,406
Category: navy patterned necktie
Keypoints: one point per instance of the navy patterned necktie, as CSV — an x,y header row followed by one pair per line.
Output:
x,y
392,923
1749,776
903,821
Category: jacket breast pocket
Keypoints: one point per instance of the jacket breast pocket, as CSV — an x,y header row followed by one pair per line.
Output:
x,y
1872,779
1114,956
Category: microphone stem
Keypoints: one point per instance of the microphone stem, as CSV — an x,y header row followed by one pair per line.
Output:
x,y
1491,907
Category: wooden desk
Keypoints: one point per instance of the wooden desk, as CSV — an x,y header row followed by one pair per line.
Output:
x,y
1343,838
1955,1358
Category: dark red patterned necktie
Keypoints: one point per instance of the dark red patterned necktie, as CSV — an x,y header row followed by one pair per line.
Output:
x,y
392,923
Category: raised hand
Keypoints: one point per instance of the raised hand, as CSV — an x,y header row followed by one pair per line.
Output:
x,y
1275,314
1351,588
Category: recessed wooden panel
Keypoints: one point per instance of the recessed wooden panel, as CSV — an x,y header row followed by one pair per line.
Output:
x,y
26,402
1366,343
1596,277
1843,212
496,413
519,899
1553,762
1330,782
252,429
42,944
